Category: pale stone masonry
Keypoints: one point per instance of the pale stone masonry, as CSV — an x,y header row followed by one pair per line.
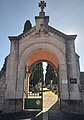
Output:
x,y
50,45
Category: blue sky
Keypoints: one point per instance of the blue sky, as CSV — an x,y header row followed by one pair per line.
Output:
x,y
65,15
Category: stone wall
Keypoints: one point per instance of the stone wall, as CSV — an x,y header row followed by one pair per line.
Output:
x,y
3,70
81,87
2,94
71,106
3,85
82,78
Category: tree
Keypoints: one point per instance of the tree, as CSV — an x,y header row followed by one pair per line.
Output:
x,y
37,74
50,75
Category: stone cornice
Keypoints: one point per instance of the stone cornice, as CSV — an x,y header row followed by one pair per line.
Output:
x,y
13,38
71,37
37,17
50,29
77,55
27,32
57,32
22,35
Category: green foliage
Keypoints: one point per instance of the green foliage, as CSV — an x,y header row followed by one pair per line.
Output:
x,y
37,74
50,75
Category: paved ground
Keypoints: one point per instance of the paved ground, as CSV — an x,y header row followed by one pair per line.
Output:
x,y
35,116
64,116
50,101
25,115
50,111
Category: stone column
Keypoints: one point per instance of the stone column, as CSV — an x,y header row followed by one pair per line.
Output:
x,y
63,82
12,75
27,83
71,68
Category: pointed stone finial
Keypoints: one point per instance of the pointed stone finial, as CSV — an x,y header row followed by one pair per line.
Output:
x,y
42,4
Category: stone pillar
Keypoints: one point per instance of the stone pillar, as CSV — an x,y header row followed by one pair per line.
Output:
x,y
78,68
71,69
20,82
12,74
63,82
27,83
42,22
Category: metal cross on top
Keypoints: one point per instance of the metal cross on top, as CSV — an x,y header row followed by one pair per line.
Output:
x,y
42,4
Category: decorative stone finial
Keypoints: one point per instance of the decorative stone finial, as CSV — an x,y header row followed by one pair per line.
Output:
x,y
42,4
42,20
27,26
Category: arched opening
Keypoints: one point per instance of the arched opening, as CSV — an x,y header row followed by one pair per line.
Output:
x,y
40,90
42,55
34,54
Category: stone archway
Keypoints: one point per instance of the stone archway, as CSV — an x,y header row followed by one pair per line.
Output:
x,y
42,42
42,55
44,51
49,99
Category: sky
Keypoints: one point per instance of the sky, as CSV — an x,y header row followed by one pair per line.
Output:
x,y
66,16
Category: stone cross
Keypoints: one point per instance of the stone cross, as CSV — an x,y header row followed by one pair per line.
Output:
x,y
42,4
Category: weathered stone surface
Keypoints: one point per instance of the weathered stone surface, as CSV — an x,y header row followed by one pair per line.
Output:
x,y
2,94
3,70
82,78
59,50
15,105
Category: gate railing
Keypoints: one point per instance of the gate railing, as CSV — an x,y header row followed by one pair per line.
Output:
x,y
33,100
